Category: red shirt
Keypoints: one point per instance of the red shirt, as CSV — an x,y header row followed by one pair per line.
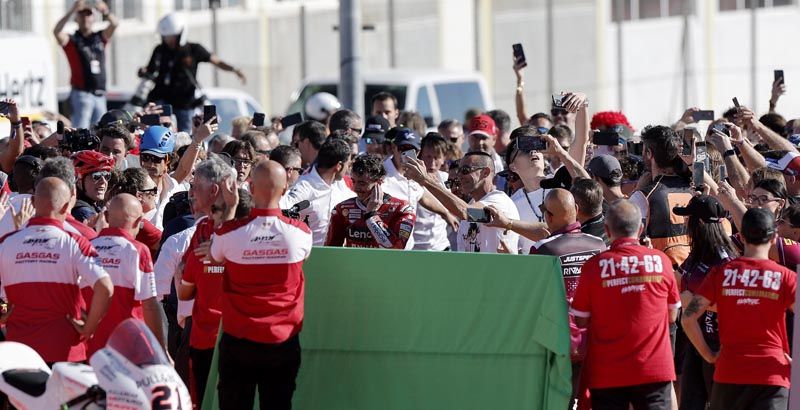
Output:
x,y
130,267
75,226
752,296
627,292
207,278
149,235
390,226
263,281
41,267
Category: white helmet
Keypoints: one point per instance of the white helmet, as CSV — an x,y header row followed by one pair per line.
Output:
x,y
172,25
320,106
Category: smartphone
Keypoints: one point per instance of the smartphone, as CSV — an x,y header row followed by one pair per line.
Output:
x,y
697,175
607,138
209,111
519,55
477,215
558,101
723,172
530,143
736,102
258,119
410,153
166,110
26,122
703,115
3,108
291,119
700,153
779,76
721,128
151,119
60,128
688,138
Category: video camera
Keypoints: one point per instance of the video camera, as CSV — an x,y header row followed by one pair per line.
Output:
x,y
294,211
79,140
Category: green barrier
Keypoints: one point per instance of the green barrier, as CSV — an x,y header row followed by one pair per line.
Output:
x,y
431,330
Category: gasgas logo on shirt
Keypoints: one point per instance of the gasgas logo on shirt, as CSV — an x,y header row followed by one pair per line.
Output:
x,y
250,254
36,257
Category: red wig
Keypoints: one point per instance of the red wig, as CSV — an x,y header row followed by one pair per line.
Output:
x,y
610,119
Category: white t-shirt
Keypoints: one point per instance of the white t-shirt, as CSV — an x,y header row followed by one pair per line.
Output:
x,y
400,187
156,216
477,237
430,230
529,211
322,199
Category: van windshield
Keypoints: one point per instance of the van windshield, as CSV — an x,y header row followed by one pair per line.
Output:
x,y
399,91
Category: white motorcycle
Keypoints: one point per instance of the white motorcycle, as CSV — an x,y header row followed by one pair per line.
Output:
x,y
131,372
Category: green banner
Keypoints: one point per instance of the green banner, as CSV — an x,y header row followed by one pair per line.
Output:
x,y
431,330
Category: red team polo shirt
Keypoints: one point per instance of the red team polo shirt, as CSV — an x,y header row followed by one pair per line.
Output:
x,y
752,296
41,266
627,292
263,282
130,267
207,278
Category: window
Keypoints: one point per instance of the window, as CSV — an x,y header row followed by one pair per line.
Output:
x,y
456,98
204,4
227,109
15,15
650,9
424,105
123,9
729,5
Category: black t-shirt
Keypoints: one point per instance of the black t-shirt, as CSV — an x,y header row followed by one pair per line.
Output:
x,y
87,61
176,71
596,227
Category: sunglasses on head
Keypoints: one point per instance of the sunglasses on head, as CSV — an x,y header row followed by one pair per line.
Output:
x,y
104,175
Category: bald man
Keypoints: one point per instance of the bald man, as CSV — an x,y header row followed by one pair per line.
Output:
x,y
627,296
263,256
128,263
42,269
573,248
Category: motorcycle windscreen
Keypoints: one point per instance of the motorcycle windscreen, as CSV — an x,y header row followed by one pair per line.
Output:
x,y
137,343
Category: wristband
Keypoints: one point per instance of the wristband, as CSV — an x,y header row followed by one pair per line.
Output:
x,y
728,153
15,124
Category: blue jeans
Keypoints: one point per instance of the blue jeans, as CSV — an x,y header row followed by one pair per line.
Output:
x,y
184,118
87,108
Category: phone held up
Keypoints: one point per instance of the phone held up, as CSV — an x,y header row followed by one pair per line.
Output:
x,y
209,111
258,119
519,55
779,76
291,119
477,215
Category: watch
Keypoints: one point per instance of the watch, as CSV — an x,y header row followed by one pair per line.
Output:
x,y
728,153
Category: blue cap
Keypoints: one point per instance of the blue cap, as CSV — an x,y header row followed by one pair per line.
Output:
x,y
405,136
158,141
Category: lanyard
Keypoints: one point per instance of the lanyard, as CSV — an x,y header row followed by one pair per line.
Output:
x,y
538,216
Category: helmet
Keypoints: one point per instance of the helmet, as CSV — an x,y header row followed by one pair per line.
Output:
x,y
86,162
172,25
157,140
321,105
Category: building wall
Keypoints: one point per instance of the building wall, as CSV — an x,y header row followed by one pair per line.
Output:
x,y
263,37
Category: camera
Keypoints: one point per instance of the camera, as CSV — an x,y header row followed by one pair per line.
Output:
x,y
81,139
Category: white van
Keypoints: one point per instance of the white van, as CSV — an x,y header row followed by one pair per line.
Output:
x,y
435,94
26,75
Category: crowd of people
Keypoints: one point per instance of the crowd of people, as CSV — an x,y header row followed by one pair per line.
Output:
x,y
181,226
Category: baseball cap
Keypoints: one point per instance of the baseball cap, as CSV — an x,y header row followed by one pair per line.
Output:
x,y
158,141
482,125
375,129
607,167
114,117
30,161
561,179
704,207
405,136
788,164
758,225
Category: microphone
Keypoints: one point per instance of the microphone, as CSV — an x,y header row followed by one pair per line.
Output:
x,y
294,211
